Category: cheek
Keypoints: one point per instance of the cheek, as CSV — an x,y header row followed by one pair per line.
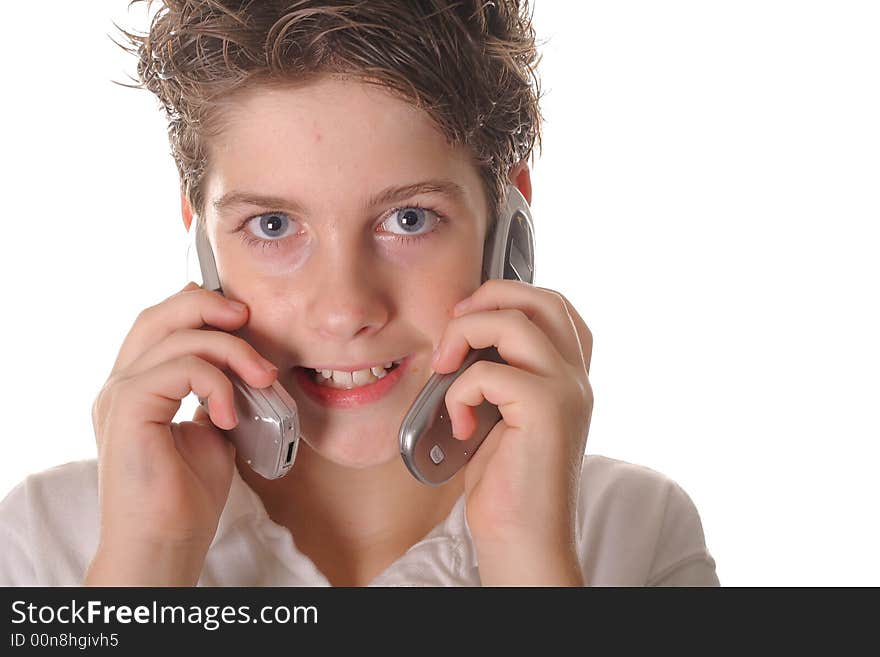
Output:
x,y
438,279
458,259
427,300
263,332
270,309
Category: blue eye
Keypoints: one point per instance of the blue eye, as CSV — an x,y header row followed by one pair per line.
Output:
x,y
271,224
412,219
274,225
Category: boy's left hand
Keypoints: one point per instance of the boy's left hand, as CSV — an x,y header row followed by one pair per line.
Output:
x,y
521,485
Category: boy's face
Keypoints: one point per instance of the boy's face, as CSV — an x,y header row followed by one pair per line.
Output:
x,y
325,279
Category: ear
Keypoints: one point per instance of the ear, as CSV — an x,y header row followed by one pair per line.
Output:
x,y
185,211
520,176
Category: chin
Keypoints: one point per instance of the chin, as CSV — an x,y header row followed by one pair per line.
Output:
x,y
354,451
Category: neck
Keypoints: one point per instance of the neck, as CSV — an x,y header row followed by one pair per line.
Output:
x,y
353,520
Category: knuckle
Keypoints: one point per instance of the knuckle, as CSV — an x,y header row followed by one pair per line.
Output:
x,y
491,285
238,351
450,397
146,315
190,361
560,301
461,382
584,390
562,298
195,291
477,369
118,386
203,296
196,341
568,393
211,296
481,368
98,406
243,345
477,372
588,393
100,411
233,344
115,391
110,387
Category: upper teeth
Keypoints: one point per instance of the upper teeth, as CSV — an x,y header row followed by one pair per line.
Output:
x,y
358,377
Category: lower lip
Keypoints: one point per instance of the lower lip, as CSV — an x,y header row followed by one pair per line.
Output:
x,y
353,397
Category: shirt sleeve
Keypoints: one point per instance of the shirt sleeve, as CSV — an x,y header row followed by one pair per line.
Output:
x,y
16,565
681,557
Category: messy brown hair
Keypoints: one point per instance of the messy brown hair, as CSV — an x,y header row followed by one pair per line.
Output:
x,y
471,65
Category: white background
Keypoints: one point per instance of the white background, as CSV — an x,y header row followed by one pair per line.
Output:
x,y
707,198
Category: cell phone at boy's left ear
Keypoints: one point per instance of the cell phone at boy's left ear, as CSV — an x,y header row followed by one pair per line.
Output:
x,y
427,446
268,430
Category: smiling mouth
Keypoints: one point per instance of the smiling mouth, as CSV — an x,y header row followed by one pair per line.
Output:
x,y
348,380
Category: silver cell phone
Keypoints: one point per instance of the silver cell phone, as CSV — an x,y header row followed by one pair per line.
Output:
x,y
268,430
430,451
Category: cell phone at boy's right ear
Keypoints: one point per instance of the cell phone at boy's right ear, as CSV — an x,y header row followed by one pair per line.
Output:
x,y
427,446
268,432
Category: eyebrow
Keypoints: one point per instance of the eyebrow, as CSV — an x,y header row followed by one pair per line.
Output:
x,y
388,195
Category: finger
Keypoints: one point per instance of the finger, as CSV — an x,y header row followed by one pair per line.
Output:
x,y
518,341
185,437
191,443
499,384
584,334
154,396
548,309
202,417
221,349
189,308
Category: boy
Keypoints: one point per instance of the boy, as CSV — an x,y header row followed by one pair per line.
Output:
x,y
347,161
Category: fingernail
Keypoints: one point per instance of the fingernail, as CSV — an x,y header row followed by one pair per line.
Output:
x,y
462,305
236,306
269,367
436,357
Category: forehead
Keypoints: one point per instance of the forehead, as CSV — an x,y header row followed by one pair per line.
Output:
x,y
331,134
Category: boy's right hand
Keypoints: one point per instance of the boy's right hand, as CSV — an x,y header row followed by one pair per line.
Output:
x,y
163,485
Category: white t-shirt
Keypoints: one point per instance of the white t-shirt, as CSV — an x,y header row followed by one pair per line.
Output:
x,y
636,527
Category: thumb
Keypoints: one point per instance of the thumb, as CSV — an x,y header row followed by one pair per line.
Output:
x,y
202,417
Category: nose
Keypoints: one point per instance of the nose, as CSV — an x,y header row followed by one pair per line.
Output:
x,y
347,298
